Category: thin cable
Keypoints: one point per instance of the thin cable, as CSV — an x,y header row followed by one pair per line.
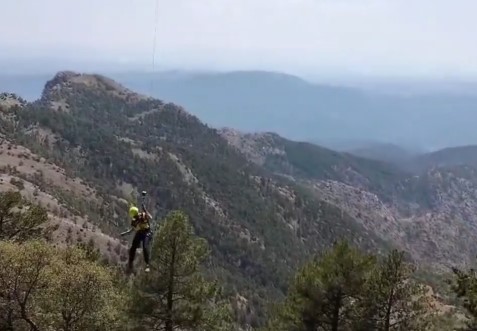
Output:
x,y
156,15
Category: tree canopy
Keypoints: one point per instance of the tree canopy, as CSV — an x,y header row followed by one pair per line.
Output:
x,y
176,295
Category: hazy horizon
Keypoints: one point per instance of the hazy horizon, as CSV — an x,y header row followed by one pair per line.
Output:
x,y
418,60
340,39
257,101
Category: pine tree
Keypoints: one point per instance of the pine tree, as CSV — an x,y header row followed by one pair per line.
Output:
x,y
20,220
393,300
324,292
175,295
48,288
464,286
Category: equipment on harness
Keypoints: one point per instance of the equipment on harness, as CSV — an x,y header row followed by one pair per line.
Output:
x,y
134,212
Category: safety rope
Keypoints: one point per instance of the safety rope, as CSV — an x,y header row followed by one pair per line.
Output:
x,y
156,15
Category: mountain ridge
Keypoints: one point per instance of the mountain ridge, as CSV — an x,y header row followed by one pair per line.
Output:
x,y
314,169
260,227
451,156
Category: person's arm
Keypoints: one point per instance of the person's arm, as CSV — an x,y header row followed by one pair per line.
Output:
x,y
127,232
131,228
149,216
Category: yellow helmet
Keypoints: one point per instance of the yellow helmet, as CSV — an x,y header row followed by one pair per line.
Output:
x,y
133,212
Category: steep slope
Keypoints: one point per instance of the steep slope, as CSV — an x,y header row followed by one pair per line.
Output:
x,y
260,227
432,216
65,198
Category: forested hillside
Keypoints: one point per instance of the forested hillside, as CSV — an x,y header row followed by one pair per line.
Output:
x,y
260,228
84,150
428,209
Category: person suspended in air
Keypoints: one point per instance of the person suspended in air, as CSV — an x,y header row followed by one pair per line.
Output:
x,y
141,223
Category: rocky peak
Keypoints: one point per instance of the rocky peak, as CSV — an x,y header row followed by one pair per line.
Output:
x,y
63,82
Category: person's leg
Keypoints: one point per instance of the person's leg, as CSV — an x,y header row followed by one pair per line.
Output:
x,y
146,247
132,251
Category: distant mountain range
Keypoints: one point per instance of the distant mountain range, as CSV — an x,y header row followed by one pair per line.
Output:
x,y
383,152
266,101
415,161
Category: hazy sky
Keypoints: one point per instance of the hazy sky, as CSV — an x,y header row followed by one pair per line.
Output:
x,y
395,37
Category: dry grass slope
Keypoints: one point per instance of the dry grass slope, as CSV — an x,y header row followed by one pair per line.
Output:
x,y
21,170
